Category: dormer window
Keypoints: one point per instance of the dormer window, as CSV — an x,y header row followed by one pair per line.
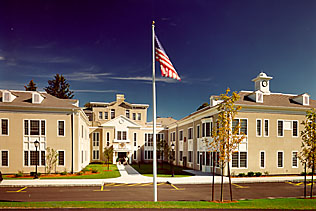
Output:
x,y
259,97
306,100
37,98
7,96
302,99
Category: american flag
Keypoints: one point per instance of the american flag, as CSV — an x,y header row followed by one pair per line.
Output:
x,y
166,67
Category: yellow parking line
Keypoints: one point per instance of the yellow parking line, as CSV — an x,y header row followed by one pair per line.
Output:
x,y
239,186
134,184
101,189
310,183
120,184
298,184
18,191
147,184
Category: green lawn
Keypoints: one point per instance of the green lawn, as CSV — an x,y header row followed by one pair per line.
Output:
x,y
102,173
246,204
146,169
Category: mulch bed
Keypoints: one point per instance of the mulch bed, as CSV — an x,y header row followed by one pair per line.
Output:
x,y
53,175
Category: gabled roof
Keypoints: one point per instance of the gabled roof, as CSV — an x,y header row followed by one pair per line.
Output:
x,y
24,99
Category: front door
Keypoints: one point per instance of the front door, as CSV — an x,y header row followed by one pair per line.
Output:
x,y
121,156
201,161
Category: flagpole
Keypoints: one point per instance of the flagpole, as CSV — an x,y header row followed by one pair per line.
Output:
x,y
154,118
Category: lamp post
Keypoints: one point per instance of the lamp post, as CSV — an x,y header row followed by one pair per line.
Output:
x,y
140,157
36,144
172,148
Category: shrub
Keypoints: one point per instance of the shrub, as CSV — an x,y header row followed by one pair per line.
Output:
x,y
94,171
19,174
266,173
241,174
258,174
79,173
63,173
250,174
302,173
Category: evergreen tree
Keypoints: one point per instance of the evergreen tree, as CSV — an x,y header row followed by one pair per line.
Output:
x,y
59,87
203,106
31,86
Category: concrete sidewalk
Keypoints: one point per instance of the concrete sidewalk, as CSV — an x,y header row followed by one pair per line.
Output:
x,y
130,175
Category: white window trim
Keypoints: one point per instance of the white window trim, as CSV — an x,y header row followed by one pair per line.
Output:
x,y
100,112
278,128
8,158
294,167
182,135
198,126
40,129
95,141
264,126
231,163
135,135
247,129
277,161
58,158
264,163
93,156
191,133
1,127
298,129
108,141
58,128
257,128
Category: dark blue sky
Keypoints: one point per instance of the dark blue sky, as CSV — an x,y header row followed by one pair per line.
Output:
x,y
104,47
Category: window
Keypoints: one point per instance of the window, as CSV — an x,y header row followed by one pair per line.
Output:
x,y
107,139
190,157
135,155
235,160
100,115
198,131
95,155
148,154
198,157
4,158
206,129
139,116
259,122
127,113
43,158
134,116
239,159
34,158
280,128
148,140
208,158
181,135
6,97
262,159
106,115
81,131
280,159
34,129
190,133
61,128
112,113
266,127
61,158
243,159
4,127
43,126
243,125
96,139
26,158
121,135
173,136
294,160
181,155
135,139
26,127
295,128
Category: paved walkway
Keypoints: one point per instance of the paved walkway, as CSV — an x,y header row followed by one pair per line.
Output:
x,y
130,175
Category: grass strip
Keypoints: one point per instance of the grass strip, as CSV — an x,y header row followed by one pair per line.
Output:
x,y
285,203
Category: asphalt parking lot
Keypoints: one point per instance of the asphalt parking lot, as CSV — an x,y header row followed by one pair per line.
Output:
x,y
144,192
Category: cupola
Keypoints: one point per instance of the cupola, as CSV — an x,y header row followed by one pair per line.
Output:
x,y
262,83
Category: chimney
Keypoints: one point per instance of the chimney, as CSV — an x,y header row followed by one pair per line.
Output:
x,y
120,98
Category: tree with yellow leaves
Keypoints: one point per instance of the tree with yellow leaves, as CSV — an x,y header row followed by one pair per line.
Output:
x,y
226,136
308,153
